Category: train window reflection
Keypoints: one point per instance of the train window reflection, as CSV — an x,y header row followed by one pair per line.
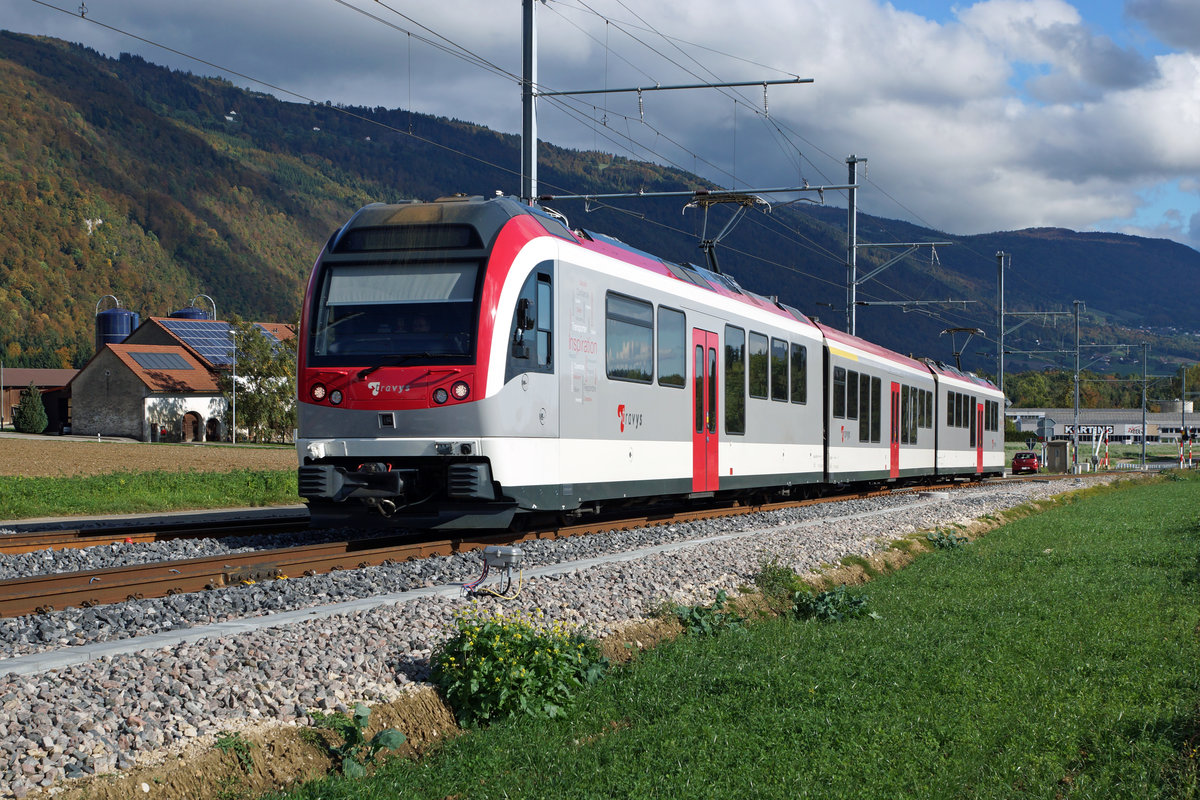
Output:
x,y
672,346
629,339
383,313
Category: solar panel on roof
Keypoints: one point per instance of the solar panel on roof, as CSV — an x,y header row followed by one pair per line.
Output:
x,y
159,360
212,339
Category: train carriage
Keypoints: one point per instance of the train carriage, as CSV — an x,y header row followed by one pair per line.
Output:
x,y
467,361
970,423
880,412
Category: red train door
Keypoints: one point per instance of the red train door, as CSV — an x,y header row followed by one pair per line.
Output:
x,y
894,436
979,438
704,411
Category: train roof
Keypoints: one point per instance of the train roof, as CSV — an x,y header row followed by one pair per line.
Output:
x,y
949,371
835,337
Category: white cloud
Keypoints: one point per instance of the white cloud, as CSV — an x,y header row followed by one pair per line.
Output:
x,y
1016,113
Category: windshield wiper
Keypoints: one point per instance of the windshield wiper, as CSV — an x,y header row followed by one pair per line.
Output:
x,y
401,360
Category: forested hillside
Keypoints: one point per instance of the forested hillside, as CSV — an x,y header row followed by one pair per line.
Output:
x,y
121,177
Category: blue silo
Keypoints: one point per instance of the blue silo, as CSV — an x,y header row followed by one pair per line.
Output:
x,y
190,312
114,325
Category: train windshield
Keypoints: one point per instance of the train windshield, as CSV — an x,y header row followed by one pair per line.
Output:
x,y
395,313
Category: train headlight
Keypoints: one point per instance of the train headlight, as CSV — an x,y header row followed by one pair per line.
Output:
x,y
440,395
335,397
460,390
318,392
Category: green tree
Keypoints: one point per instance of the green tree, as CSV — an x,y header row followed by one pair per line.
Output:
x,y
30,416
266,383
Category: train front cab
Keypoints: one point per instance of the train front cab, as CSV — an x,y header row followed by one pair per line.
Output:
x,y
413,316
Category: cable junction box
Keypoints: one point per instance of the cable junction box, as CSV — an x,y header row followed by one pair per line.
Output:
x,y
499,556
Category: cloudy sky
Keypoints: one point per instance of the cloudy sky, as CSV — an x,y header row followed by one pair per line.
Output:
x,y
974,117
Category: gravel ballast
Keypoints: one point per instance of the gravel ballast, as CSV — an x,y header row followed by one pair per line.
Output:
x,y
108,713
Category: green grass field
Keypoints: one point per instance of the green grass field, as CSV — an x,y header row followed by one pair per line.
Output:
x,y
143,492
1056,657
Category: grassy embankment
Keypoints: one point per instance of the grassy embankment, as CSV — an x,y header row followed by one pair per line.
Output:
x,y
132,492
1055,657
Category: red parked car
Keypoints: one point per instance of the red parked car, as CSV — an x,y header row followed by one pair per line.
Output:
x,y
1025,461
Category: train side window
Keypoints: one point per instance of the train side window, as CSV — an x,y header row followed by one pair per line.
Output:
x,y
914,422
672,347
864,407
735,380
921,408
852,395
531,335
949,409
799,373
759,365
876,410
972,413
905,411
928,408
839,392
629,339
545,326
712,390
779,370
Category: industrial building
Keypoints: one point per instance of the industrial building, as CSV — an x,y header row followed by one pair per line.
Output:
x,y
1123,425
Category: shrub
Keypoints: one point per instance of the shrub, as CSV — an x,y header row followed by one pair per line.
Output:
x,y
30,415
496,667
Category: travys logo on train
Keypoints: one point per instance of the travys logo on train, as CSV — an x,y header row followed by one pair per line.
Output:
x,y
634,421
391,388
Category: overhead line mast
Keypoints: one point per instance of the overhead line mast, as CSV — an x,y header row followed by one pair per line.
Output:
x,y
530,93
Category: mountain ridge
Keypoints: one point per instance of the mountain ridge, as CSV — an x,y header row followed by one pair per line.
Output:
x,y
121,177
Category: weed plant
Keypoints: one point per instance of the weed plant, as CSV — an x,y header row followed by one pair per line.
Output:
x,y
131,492
777,583
355,752
1054,657
239,746
833,605
497,666
946,541
708,620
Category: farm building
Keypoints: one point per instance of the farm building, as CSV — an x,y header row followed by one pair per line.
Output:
x,y
160,383
51,382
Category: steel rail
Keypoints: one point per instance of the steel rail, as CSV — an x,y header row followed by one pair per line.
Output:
x,y
77,538
47,593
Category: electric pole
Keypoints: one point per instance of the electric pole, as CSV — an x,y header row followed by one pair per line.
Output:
x,y
1000,257
852,244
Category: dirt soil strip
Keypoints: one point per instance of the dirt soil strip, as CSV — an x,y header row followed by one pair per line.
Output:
x,y
58,456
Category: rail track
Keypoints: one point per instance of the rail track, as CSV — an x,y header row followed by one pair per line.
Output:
x,y
28,541
46,593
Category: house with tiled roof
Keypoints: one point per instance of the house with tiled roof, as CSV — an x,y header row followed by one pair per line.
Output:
x,y
160,383
147,392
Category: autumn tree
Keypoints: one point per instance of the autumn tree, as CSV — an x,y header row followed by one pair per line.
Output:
x,y
266,383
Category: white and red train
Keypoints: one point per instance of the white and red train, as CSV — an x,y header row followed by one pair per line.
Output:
x,y
468,362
